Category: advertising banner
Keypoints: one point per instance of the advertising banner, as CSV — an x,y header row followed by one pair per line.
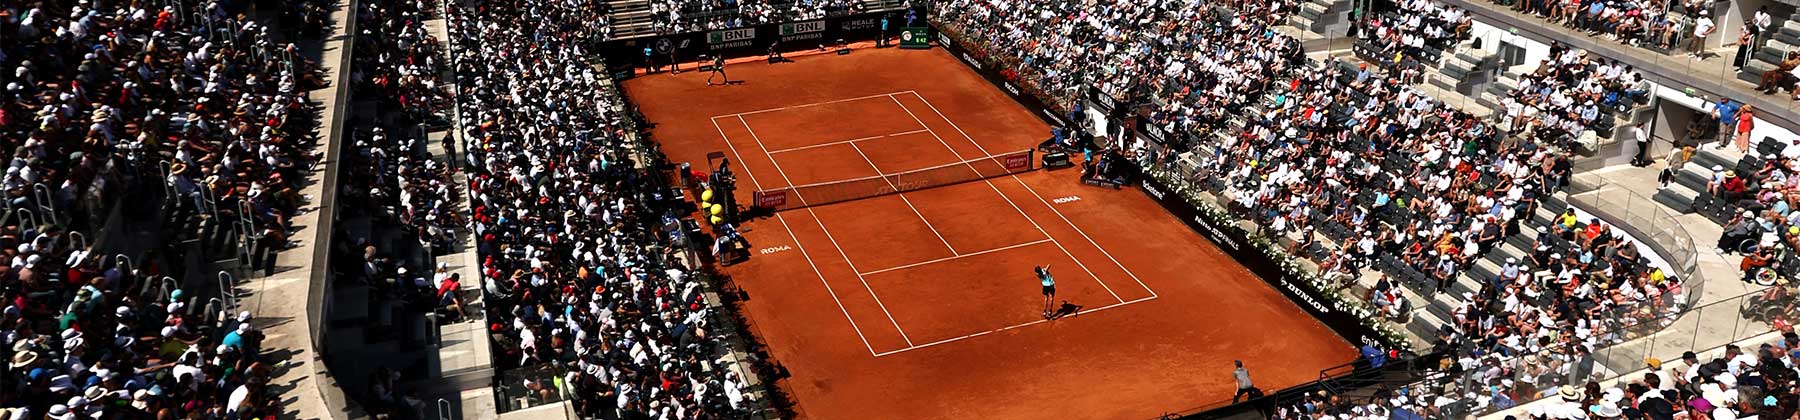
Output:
x,y
749,40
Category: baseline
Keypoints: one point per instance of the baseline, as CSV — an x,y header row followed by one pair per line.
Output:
x,y
1012,327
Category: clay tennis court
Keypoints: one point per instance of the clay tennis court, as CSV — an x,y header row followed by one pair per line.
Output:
x,y
922,304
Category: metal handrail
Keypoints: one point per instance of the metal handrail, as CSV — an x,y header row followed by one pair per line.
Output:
x,y
246,231
45,200
79,239
167,285
170,193
28,219
210,198
215,313
228,290
1665,233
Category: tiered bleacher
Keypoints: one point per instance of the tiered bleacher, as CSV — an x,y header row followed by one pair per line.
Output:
x,y
398,210
102,102
579,275
1665,27
1418,33
1441,220
1571,95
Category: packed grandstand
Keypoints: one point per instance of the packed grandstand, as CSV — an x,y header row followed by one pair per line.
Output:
x,y
453,209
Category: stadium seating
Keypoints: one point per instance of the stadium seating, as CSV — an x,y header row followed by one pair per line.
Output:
x,y
155,158
1269,190
595,292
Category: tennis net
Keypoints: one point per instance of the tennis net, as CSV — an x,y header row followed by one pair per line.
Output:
x,y
818,194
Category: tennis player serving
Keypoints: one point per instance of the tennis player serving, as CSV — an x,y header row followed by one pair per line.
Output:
x,y
1049,282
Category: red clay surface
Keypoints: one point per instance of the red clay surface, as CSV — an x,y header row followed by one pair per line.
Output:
x,y
922,305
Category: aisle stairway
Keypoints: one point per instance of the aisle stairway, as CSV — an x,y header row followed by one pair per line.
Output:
x,y
631,18
1324,17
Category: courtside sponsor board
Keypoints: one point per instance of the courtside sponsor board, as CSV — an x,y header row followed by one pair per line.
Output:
x,y
812,29
859,24
1305,297
730,38
1103,100
1153,190
1155,132
971,60
1017,162
627,52
771,199
806,27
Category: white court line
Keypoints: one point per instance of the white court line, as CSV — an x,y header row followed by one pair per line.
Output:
x,y
851,141
903,198
809,105
1079,313
796,239
1040,198
1009,201
821,222
884,270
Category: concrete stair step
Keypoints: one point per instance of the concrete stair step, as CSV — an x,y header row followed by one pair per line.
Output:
x,y
1424,324
1694,177
350,303
1677,197
1709,157
1443,306
1543,216
1508,250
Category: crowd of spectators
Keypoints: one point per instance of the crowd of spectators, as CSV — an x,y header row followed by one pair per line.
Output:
x,y
104,100
577,270
391,181
1064,48
1666,25
401,74
676,16
1400,182
1570,95
1419,31
1761,194
1737,384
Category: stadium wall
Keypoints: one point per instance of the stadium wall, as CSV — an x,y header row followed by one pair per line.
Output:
x,y
625,54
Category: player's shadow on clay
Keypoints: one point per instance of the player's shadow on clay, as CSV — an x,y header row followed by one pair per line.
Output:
x,y
1066,309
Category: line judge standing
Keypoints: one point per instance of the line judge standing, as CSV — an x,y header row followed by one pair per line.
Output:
x,y
1049,282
